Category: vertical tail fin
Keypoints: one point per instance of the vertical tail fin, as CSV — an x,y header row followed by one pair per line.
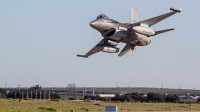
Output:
x,y
134,16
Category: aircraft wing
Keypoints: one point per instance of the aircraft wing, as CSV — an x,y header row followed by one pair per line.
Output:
x,y
92,51
152,21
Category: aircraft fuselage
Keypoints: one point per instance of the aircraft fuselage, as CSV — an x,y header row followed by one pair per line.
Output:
x,y
121,34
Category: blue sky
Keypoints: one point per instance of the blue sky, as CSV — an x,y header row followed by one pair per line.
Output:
x,y
39,41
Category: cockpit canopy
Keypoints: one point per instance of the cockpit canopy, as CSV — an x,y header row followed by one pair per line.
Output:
x,y
102,16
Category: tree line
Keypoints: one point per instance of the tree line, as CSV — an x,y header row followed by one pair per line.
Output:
x,y
137,97
34,92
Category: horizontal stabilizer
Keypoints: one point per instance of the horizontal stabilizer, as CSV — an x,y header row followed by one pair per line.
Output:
x,y
163,31
126,49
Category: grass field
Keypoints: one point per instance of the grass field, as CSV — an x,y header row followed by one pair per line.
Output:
x,y
11,105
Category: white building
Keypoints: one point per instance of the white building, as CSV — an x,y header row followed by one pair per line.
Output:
x,y
106,95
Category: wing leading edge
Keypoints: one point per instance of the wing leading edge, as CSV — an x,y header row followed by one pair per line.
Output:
x,y
92,51
154,20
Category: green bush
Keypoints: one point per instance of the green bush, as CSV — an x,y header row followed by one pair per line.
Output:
x,y
188,101
55,100
49,109
172,98
72,98
198,99
98,104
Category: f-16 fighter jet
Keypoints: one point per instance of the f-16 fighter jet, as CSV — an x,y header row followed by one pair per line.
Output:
x,y
135,33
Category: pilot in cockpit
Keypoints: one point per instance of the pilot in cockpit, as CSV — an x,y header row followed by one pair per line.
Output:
x,y
102,16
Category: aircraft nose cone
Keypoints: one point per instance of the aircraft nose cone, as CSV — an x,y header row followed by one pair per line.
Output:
x,y
94,24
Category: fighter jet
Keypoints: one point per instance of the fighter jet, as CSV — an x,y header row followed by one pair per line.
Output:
x,y
135,33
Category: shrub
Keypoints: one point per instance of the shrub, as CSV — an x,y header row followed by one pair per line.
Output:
x,y
72,98
97,104
55,100
49,109
172,99
198,99
155,97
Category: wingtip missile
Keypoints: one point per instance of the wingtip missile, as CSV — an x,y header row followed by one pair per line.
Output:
x,y
176,10
83,56
163,31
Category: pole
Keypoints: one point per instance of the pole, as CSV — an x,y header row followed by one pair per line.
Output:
x,y
26,94
22,95
36,95
44,95
40,95
180,90
19,87
49,95
31,95
5,85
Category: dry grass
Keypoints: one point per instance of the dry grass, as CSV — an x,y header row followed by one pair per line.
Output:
x,y
93,106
